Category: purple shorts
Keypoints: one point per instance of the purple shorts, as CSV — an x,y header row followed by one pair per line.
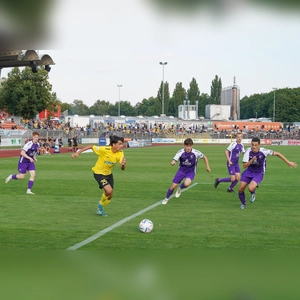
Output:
x,y
248,176
179,176
233,169
22,167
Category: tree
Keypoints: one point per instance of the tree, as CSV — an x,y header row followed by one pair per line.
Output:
x,y
100,108
148,107
287,107
215,90
26,94
203,101
79,108
179,95
66,106
126,109
193,93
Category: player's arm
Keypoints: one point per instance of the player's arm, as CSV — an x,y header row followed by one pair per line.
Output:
x,y
289,163
123,164
24,154
206,163
74,155
248,163
227,157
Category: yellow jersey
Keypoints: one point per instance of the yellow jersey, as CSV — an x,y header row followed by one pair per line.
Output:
x,y
106,159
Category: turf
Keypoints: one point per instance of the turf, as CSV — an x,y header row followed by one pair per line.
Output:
x,y
62,213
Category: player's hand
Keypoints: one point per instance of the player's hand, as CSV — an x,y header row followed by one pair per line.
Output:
x,y
208,169
74,155
123,161
292,164
173,162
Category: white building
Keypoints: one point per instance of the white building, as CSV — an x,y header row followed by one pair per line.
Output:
x,y
188,111
217,112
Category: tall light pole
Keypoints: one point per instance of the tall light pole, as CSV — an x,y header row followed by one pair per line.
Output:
x,y
119,86
274,104
163,89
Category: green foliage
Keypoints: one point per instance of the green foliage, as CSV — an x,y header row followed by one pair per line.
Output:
x,y
287,108
204,100
79,108
25,93
66,106
215,90
148,107
193,92
179,95
100,108
62,213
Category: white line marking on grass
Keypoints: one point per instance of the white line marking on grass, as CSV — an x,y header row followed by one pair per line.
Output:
x,y
110,228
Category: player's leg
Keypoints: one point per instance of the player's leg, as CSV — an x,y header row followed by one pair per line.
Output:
x,y
231,172
241,194
176,180
233,183
253,186
245,180
184,184
169,192
237,177
22,169
106,183
30,182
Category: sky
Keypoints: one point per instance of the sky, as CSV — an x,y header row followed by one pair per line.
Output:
x,y
97,45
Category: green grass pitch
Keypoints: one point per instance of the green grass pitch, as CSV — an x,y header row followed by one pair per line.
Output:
x,y
62,213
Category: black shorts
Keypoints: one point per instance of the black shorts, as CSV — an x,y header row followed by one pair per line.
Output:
x,y
104,180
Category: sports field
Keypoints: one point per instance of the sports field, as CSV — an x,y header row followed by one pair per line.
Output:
x,y
62,213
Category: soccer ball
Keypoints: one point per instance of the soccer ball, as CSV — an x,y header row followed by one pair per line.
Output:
x,y
146,226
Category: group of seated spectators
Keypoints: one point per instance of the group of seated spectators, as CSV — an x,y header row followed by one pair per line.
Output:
x,y
6,118
261,133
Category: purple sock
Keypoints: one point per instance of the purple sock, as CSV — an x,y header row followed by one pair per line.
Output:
x,y
14,177
242,198
233,184
224,180
169,193
30,184
182,186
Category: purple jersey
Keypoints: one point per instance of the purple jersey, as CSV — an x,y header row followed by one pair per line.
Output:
x,y
188,161
235,150
258,166
31,150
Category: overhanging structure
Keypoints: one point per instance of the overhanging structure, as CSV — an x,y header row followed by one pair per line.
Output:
x,y
29,58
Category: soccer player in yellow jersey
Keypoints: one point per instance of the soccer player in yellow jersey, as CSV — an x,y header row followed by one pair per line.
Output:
x,y
108,156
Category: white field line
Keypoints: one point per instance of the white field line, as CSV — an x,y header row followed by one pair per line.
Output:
x,y
110,228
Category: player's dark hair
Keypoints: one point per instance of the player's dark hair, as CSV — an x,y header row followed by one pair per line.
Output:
x,y
256,139
114,139
188,141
